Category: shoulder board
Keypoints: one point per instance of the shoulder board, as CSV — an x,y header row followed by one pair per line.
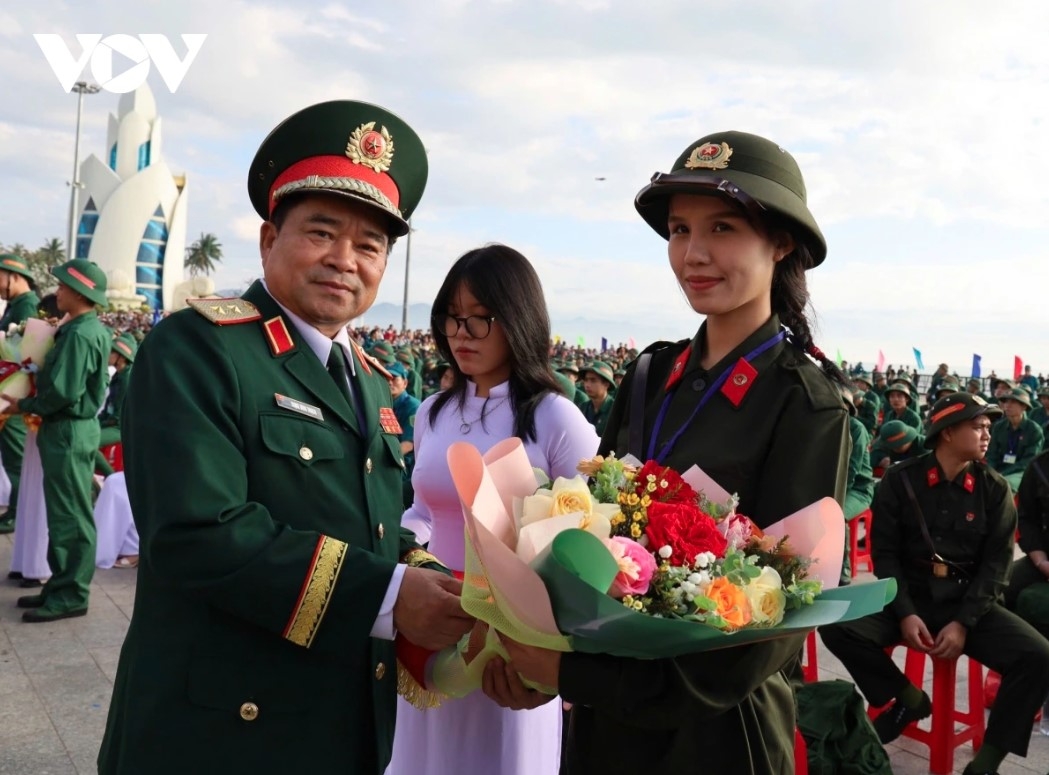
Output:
x,y
369,361
225,312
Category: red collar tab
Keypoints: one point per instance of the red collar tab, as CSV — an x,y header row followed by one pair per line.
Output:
x,y
388,421
969,483
739,382
932,476
278,337
678,371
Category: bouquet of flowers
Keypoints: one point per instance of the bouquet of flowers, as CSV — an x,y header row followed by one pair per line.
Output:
x,y
22,352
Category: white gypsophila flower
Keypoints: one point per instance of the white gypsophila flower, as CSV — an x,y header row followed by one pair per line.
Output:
x,y
695,578
665,552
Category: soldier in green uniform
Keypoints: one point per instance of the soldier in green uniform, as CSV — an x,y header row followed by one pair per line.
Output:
x,y
975,387
900,406
121,357
896,442
1033,519
70,388
16,288
1040,414
1016,440
859,483
265,478
868,402
599,385
880,384
943,528
405,406
414,375
570,370
755,409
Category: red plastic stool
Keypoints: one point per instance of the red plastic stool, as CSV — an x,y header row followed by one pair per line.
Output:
x,y
857,555
809,668
114,455
801,754
942,737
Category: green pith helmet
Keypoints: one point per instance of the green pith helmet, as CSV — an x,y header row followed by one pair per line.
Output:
x,y
746,168
955,408
9,262
865,378
899,387
85,277
383,354
1017,394
126,346
601,369
343,147
896,435
950,384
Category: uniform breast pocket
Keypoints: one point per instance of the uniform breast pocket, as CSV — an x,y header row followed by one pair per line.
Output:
x,y
393,448
300,438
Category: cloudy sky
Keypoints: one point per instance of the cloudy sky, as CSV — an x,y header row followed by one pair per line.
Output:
x,y
922,129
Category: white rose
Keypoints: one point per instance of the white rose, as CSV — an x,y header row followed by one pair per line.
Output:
x,y
766,598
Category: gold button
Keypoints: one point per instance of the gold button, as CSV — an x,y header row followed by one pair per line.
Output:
x,y
368,465
380,671
306,453
380,531
249,711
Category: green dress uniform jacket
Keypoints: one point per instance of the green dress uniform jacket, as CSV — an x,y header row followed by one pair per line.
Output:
x,y
1039,416
784,446
1012,450
70,388
269,516
12,436
599,417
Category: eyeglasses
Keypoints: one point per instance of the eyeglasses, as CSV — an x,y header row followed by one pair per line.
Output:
x,y
477,326
753,207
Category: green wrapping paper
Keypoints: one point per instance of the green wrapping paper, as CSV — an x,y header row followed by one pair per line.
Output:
x,y
577,570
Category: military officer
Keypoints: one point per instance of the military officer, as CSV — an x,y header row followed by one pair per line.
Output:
x,y
70,388
943,528
1016,440
598,384
274,573
121,357
16,288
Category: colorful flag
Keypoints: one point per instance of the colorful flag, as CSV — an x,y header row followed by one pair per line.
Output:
x,y
918,358
631,343
581,341
557,339
837,358
976,366
881,361
604,344
1018,368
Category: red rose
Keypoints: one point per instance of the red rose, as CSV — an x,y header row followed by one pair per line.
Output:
x,y
685,529
663,484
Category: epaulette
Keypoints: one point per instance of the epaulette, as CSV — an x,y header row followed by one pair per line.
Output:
x,y
822,391
369,361
225,312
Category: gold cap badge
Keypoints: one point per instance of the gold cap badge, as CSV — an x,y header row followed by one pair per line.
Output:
x,y
371,147
709,156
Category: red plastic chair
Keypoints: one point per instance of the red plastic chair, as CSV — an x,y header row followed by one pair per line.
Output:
x,y
950,727
114,455
801,754
856,554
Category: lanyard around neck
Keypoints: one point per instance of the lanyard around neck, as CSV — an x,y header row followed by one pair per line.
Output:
x,y
714,387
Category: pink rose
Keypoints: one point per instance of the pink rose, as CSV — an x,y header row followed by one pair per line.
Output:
x,y
636,567
737,530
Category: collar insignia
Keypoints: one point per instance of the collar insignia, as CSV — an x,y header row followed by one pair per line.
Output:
x,y
932,477
739,382
678,371
278,337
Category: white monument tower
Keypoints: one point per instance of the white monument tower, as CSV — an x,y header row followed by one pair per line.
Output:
x,y
132,211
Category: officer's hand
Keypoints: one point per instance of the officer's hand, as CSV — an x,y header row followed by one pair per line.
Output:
x,y
10,405
427,611
502,683
915,633
949,641
539,665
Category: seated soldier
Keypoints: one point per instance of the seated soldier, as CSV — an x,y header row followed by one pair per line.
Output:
x,y
1000,388
943,528
1040,414
901,403
121,357
880,384
1033,516
896,442
859,482
600,385
866,401
1015,441
405,406
976,388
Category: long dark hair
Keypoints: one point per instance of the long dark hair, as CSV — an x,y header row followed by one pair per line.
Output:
x,y
503,281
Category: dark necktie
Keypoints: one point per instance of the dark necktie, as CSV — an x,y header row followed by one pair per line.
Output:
x,y
339,373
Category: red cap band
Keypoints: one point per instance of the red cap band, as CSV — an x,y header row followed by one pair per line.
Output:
x,y
336,167
75,274
946,411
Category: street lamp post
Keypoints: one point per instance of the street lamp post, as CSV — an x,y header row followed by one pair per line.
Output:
x,y
407,266
81,88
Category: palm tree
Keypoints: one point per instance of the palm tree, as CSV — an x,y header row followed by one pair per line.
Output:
x,y
53,252
202,255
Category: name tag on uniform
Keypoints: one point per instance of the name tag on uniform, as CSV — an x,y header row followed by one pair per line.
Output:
x,y
1008,459
298,406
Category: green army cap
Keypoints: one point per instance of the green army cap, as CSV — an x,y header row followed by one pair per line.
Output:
x,y
601,369
9,262
957,408
384,355
865,378
342,147
125,345
568,366
1043,392
746,168
397,369
896,435
949,384
1017,394
567,385
83,276
405,356
899,387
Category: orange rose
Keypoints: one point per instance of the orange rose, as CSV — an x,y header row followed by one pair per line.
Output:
x,y
730,603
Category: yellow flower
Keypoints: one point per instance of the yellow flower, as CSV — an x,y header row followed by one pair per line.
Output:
x,y
766,598
590,467
635,530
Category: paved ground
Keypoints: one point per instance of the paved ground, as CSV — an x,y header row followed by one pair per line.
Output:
x,y
55,682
